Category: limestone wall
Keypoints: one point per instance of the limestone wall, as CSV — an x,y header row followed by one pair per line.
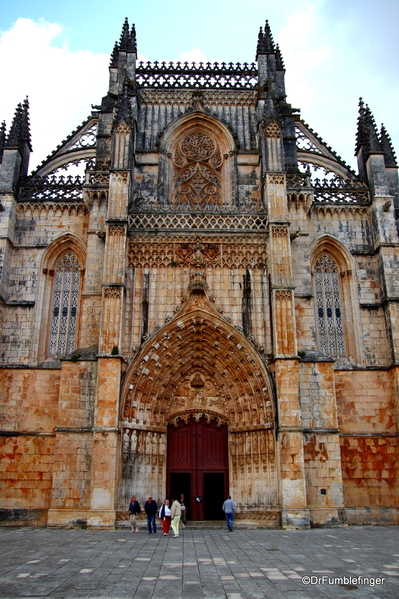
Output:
x,y
167,287
27,443
369,445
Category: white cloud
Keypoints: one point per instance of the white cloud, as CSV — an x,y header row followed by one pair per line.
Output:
x,y
61,85
301,58
192,56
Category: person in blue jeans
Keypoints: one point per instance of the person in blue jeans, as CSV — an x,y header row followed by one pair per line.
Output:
x,y
229,507
151,508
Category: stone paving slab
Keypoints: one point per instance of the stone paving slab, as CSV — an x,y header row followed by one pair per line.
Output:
x,y
201,564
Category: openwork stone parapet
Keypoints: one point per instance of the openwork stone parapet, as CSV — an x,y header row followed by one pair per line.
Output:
x,y
249,222
202,75
52,187
208,98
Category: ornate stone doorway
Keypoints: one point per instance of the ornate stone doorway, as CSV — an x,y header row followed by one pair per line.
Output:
x,y
197,465
198,377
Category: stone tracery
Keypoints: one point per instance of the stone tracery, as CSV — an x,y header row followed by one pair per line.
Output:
x,y
197,180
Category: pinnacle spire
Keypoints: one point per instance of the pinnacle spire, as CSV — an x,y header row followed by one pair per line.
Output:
x,y
279,59
374,140
265,41
269,38
25,124
124,39
389,152
367,134
13,138
132,39
127,42
20,127
114,56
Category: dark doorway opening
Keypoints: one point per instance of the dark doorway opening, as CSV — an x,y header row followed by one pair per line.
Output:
x,y
213,495
180,483
197,466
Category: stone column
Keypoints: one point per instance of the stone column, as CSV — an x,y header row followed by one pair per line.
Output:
x,y
285,364
106,450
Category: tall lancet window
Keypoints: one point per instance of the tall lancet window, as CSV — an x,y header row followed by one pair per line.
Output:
x,y
329,307
65,305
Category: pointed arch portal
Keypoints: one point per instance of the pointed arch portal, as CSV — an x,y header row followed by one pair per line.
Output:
x,y
199,378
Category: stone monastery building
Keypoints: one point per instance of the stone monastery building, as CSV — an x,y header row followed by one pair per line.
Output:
x,y
211,308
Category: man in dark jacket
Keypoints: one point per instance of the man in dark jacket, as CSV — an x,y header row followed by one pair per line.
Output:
x,y
134,510
151,508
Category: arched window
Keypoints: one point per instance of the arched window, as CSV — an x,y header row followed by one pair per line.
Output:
x,y
65,305
329,307
197,177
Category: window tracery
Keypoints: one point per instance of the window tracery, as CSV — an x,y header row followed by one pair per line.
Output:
x,y
65,305
197,178
329,307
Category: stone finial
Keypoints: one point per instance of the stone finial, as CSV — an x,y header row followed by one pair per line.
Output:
x,y
387,147
3,138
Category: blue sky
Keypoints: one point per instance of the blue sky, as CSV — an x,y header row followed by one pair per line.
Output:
x,y
57,53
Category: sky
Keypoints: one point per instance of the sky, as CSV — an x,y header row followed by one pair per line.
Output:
x,y
335,51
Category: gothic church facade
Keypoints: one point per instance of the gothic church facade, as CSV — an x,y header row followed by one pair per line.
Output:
x,y
211,308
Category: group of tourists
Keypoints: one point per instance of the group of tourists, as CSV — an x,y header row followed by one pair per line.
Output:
x,y
171,515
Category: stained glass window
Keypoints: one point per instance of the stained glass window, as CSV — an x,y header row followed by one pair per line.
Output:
x,y
329,310
65,305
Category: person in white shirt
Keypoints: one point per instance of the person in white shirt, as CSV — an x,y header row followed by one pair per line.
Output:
x,y
164,515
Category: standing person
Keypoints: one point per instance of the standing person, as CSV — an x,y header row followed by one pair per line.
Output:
x,y
164,514
134,510
229,507
151,508
183,509
175,514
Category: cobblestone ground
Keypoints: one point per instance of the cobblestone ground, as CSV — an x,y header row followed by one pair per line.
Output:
x,y
212,564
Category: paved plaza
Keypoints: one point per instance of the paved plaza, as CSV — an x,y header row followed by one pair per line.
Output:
x,y
212,564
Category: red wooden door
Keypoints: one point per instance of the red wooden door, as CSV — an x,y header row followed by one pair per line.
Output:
x,y
198,463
